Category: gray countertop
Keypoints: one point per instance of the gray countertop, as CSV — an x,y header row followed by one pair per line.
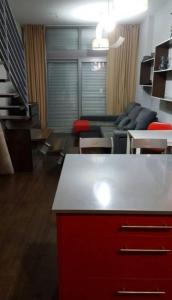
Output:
x,y
115,184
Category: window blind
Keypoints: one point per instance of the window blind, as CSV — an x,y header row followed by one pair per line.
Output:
x,y
62,95
93,88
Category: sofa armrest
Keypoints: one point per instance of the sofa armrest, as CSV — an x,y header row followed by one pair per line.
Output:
x,y
120,133
120,141
102,118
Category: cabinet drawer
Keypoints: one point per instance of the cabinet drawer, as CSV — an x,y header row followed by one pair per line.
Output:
x,y
109,289
141,258
116,258
105,225
141,225
84,253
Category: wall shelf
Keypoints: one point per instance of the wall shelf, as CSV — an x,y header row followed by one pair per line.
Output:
x,y
146,85
167,43
149,60
167,99
160,76
145,72
163,71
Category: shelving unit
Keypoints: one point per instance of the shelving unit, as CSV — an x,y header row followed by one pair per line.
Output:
x,y
145,73
160,76
146,85
162,71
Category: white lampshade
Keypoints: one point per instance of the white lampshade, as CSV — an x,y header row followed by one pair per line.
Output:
x,y
100,44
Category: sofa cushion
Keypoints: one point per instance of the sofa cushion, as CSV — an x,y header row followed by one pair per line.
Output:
x,y
130,126
130,107
134,112
119,118
123,122
145,117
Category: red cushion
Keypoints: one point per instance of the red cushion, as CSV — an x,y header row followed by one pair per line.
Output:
x,y
159,126
81,126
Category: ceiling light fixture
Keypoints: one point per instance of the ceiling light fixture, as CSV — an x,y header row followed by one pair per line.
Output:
x,y
106,24
117,10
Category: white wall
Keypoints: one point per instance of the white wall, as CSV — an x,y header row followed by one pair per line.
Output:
x,y
154,30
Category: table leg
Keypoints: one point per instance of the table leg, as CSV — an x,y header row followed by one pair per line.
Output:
x,y
128,143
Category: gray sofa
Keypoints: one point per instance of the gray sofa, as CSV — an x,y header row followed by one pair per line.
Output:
x,y
134,117
143,119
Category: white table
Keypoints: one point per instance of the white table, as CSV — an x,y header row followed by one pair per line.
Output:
x,y
148,134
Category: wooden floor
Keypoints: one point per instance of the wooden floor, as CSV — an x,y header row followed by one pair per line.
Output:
x,y
28,233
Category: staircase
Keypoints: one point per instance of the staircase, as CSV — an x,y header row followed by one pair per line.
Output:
x,y
13,86
11,106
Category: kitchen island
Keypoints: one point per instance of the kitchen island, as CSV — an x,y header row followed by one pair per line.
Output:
x,y
114,227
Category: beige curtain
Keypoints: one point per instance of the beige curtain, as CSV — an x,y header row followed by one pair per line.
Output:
x,y
34,42
121,79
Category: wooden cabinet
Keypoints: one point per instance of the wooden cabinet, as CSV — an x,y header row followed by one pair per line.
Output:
x,y
162,77
146,72
114,256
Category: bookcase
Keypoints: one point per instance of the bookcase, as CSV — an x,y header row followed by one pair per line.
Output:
x,y
146,72
161,81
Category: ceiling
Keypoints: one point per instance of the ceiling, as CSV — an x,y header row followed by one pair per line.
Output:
x,y
65,12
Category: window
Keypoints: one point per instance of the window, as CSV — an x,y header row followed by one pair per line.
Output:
x,y
62,39
86,37
76,77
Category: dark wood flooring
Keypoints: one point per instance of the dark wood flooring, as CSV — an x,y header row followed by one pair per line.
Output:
x,y
28,232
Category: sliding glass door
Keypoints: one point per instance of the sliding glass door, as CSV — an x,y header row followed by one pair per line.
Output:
x,y
93,87
76,76
62,106
75,88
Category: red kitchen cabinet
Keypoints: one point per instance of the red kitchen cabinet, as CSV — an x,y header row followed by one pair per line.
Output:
x,y
104,257
109,289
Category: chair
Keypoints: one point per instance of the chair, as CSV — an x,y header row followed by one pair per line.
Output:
x,y
96,143
139,144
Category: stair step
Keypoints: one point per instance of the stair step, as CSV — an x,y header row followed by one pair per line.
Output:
x,y
4,80
14,118
12,107
8,95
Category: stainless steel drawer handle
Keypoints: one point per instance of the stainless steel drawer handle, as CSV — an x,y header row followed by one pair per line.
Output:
x,y
145,227
141,293
158,251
